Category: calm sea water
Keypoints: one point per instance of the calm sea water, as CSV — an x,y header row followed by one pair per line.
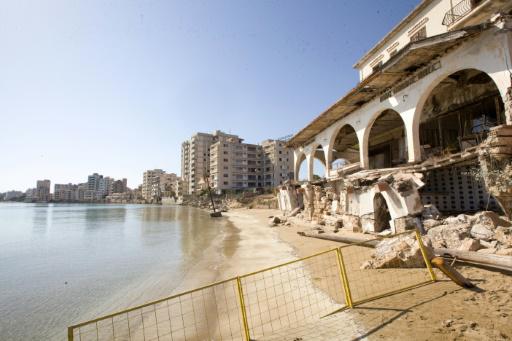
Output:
x,y
60,264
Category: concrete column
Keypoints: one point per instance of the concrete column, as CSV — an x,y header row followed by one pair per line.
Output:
x,y
310,161
328,159
412,134
363,147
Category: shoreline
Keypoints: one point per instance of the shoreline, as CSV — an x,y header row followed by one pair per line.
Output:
x,y
248,244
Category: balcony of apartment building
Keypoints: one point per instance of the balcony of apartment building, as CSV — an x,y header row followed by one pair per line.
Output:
x,y
470,12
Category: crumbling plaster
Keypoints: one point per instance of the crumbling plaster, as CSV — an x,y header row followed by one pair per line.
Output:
x,y
490,52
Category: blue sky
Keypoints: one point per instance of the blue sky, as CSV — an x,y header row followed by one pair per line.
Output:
x,y
115,86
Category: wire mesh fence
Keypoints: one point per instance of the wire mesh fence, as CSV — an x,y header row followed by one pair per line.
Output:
x,y
264,302
369,282
287,295
208,313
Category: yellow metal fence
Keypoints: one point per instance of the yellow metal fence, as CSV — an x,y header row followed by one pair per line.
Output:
x,y
260,303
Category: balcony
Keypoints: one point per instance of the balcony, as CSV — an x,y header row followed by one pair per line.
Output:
x,y
459,11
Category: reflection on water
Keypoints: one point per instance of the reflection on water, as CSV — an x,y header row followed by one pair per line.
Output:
x,y
61,264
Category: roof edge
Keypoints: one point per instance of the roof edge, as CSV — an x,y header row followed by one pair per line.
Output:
x,y
394,30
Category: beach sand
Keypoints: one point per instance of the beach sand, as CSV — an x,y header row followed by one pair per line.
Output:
x,y
295,302
438,311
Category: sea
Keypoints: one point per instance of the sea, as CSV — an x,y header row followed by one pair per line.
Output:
x,y
61,264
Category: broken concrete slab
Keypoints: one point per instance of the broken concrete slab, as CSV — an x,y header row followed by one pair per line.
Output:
x,y
449,236
480,231
503,235
399,252
469,244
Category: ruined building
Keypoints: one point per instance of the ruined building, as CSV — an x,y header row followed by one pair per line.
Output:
x,y
428,123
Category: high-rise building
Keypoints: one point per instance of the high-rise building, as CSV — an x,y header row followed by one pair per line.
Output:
x,y
43,190
119,186
185,165
277,162
151,190
93,181
65,192
232,164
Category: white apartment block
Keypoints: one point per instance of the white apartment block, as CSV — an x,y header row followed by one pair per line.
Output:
x,y
232,164
151,184
277,163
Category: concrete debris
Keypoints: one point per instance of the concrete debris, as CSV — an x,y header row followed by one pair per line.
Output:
x,y
430,212
294,212
504,235
487,251
399,252
481,231
469,244
489,218
504,252
274,221
430,223
488,245
449,236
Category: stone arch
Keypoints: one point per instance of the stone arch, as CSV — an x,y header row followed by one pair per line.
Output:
x,y
343,144
457,101
384,141
300,157
317,153
381,213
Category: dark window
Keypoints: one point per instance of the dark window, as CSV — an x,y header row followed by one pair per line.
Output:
x,y
421,34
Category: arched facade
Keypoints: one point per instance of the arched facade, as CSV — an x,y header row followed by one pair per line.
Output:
x,y
488,53
385,141
343,145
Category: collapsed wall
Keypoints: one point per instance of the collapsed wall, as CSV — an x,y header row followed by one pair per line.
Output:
x,y
394,200
371,202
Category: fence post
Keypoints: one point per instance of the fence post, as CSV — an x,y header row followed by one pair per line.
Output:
x,y
70,334
344,278
425,257
242,308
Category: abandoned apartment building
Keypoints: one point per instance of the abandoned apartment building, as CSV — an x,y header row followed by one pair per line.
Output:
x,y
430,122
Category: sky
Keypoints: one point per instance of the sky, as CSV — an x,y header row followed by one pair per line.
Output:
x,y
114,87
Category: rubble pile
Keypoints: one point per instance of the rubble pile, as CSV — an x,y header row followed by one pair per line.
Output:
x,y
484,232
400,252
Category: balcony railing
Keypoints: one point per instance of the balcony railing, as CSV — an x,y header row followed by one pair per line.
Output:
x,y
459,11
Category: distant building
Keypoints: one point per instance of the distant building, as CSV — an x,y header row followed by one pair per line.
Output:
x,y
151,190
12,195
65,192
31,195
119,186
232,164
277,163
43,191
93,181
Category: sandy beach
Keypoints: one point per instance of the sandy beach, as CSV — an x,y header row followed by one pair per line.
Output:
x,y
437,311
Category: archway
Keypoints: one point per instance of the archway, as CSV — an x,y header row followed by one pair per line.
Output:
x,y
387,145
319,164
345,147
459,112
301,168
381,214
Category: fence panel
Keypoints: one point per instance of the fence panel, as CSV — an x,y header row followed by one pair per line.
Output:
x,y
209,313
368,283
286,295
266,301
